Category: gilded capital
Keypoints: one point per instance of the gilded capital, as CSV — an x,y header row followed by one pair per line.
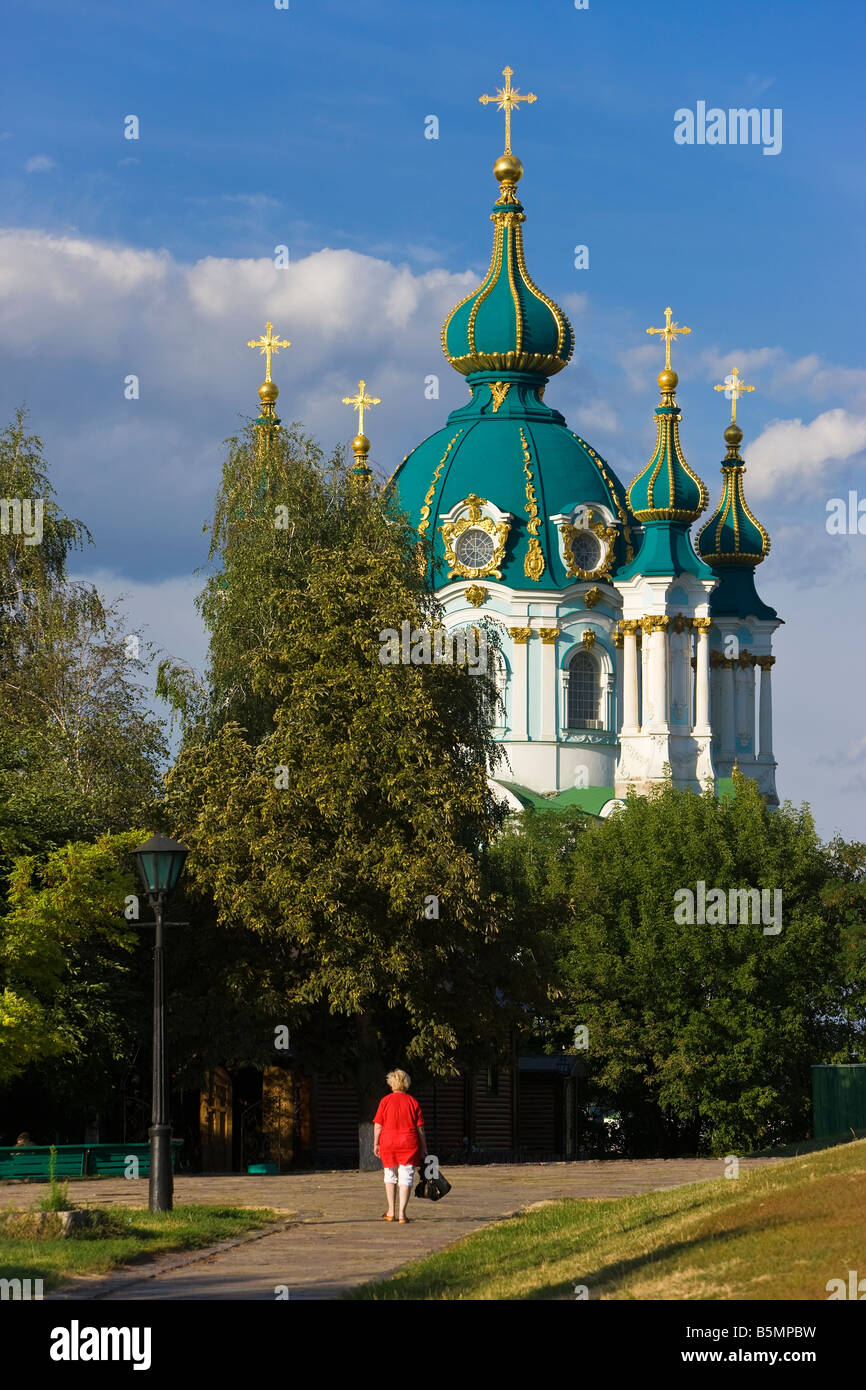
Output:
x,y
520,635
548,634
765,662
702,625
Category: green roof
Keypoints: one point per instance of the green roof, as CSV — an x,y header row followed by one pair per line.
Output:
x,y
588,799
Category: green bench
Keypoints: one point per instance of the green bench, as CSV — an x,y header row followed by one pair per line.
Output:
x,y
30,1162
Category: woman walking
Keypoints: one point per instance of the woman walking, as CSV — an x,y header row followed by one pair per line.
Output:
x,y
398,1139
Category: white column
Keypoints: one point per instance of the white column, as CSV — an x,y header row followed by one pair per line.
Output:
x,y
727,751
680,675
549,685
629,678
646,696
702,676
618,642
765,716
747,710
520,639
657,640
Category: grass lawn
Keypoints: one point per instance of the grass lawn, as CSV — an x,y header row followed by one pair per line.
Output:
x,y
129,1234
775,1233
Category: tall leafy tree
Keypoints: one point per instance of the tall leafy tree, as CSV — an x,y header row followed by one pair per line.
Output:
x,y
80,756
352,821
80,752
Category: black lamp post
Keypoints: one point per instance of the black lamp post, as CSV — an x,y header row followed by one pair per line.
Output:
x,y
160,863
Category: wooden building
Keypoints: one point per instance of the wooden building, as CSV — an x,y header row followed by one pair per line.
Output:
x,y
293,1120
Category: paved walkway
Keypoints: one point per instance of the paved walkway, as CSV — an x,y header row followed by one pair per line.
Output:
x,y
333,1237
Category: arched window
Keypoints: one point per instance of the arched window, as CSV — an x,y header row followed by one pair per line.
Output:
x,y
494,693
583,692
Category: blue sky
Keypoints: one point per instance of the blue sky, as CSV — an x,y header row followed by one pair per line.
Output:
x,y
305,127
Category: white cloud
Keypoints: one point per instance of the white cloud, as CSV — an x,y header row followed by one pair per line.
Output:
x,y
575,304
790,454
748,360
638,363
776,373
39,164
597,415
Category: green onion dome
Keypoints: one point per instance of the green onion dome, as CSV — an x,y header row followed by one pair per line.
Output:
x,y
667,489
733,536
507,323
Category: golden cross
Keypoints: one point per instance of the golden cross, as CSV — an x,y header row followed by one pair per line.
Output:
x,y
361,402
507,99
268,344
669,333
733,387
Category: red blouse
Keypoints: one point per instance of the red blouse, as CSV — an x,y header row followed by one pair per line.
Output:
x,y
400,1116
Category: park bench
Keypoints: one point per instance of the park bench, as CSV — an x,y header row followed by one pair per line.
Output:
x,y
31,1161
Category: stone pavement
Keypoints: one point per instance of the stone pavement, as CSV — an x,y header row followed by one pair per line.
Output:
x,y
333,1237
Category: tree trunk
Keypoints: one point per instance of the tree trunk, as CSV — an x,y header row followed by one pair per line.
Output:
x,y
370,1085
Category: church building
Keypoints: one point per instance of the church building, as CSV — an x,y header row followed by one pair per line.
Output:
x,y
631,651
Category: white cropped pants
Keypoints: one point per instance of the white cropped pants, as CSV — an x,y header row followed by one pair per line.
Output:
x,y
406,1172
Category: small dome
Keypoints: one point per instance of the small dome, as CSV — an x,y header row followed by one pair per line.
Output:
x,y
732,536
507,323
667,489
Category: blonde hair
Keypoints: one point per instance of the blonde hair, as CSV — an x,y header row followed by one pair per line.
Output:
x,y
398,1080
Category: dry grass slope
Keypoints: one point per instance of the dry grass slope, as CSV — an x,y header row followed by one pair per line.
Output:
x,y
777,1233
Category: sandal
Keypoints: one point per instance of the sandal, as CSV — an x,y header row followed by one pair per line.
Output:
x,y
386,1216
403,1221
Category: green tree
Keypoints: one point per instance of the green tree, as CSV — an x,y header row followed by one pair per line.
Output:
x,y
80,756
73,898
362,807
80,752
703,1034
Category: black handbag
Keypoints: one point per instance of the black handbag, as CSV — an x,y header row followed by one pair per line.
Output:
x,y
433,1188
437,1188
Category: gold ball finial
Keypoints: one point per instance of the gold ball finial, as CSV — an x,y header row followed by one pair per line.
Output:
x,y
508,169
360,445
668,379
733,436
268,392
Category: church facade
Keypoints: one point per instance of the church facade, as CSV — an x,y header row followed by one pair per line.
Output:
x,y
630,648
